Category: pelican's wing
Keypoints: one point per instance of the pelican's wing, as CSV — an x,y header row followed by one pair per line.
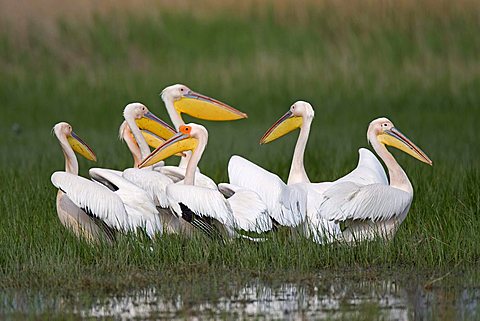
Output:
x,y
94,199
202,201
177,174
153,182
317,227
249,211
282,202
351,201
368,171
140,208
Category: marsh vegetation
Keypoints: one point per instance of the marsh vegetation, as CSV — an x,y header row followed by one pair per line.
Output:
x,y
416,63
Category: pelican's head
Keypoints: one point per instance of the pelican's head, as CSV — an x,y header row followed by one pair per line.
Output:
x,y
383,130
147,120
199,106
292,120
153,140
64,130
188,138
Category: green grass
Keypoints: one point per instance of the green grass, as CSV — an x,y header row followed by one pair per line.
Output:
x,y
421,71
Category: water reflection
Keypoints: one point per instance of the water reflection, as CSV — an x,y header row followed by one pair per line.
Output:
x,y
321,298
324,299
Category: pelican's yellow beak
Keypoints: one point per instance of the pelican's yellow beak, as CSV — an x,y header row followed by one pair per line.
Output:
x,y
81,147
204,107
393,137
181,142
156,126
283,126
154,141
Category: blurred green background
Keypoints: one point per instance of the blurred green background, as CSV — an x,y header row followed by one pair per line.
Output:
x,y
416,63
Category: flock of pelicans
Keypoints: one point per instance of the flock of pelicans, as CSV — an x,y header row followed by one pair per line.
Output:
x,y
158,199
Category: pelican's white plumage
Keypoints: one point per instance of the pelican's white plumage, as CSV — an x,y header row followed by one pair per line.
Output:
x,y
206,202
374,209
202,201
153,182
96,199
151,179
71,215
296,202
285,205
177,175
118,203
376,202
369,170
140,210
243,203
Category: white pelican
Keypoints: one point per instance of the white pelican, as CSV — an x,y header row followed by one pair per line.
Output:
x,y
300,115
120,205
287,203
152,182
180,99
368,170
70,215
242,210
378,209
137,115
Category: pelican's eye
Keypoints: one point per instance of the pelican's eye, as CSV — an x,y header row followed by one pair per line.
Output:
x,y
185,129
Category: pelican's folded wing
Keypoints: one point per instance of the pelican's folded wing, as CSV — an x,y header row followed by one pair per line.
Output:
x,y
95,199
139,206
153,182
368,171
249,211
350,201
202,201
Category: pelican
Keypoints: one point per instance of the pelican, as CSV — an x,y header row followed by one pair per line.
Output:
x,y
287,203
242,210
368,171
152,182
180,99
378,209
136,115
362,199
300,115
72,216
119,205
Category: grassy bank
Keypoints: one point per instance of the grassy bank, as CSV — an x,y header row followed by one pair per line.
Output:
x,y
419,66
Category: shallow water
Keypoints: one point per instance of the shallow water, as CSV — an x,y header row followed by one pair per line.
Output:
x,y
328,296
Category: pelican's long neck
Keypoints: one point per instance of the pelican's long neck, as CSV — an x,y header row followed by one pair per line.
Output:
x,y
175,117
142,143
194,160
297,169
71,162
132,145
177,121
398,177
